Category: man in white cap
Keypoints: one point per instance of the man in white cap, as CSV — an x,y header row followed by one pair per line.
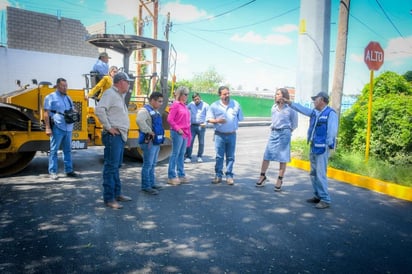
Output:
x,y
323,127
102,65
114,116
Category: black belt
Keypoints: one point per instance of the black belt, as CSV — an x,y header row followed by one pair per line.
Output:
x,y
196,124
224,133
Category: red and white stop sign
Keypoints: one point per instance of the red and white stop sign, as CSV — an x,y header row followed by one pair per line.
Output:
x,y
373,56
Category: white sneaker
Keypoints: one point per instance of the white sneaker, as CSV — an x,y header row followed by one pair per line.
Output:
x,y
188,160
199,159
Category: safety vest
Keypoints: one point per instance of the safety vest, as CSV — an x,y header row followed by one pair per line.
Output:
x,y
157,127
318,130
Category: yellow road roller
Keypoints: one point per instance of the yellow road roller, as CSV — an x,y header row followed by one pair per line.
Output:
x,y
22,129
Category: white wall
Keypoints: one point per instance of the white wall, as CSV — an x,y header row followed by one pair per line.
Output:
x,y
27,65
303,125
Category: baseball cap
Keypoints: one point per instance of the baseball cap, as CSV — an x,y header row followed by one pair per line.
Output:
x,y
121,76
104,54
322,94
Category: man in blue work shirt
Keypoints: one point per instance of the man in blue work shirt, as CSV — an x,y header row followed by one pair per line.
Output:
x,y
225,115
198,110
323,127
101,66
59,131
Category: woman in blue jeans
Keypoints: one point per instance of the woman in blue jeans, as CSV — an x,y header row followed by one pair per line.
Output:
x,y
179,121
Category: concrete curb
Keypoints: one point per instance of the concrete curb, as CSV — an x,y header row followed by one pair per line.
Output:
x,y
255,121
387,188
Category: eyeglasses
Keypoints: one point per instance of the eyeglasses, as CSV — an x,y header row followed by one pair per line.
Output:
x,y
185,94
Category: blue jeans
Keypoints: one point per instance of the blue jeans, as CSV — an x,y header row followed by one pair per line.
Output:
x,y
318,168
225,145
150,154
198,131
113,158
177,158
64,139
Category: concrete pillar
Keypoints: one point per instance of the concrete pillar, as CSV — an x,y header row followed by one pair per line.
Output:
x,y
313,49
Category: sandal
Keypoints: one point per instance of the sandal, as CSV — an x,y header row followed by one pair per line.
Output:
x,y
261,181
278,188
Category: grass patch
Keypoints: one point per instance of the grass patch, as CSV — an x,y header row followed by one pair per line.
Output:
x,y
354,162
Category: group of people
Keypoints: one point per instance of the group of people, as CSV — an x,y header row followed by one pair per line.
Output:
x,y
186,123
321,137
113,115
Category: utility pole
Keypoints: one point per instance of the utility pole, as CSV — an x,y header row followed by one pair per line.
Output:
x,y
139,28
153,12
168,25
340,60
154,50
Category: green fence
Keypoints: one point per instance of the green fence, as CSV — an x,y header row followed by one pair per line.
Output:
x,y
251,106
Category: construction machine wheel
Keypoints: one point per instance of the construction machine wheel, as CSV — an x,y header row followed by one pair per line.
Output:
x,y
135,153
164,152
11,163
13,118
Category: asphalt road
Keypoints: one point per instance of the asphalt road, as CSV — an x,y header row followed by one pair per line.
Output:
x,y
63,227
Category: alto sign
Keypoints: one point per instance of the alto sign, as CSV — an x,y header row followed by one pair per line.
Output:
x,y
374,56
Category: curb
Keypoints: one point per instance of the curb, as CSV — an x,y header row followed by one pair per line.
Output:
x,y
387,188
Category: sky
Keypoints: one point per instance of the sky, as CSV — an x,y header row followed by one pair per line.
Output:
x,y
253,44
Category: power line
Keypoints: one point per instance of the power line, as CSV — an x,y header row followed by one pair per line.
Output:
x,y
366,26
221,14
252,24
389,19
236,52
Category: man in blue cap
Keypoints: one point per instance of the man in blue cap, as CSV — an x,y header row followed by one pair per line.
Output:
x,y
323,128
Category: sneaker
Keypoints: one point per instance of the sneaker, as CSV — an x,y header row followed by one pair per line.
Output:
x,y
199,160
217,180
322,205
188,160
157,187
72,174
313,200
54,176
230,181
183,180
173,181
150,191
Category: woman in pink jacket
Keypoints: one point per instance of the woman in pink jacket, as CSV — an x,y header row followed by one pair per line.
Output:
x,y
179,121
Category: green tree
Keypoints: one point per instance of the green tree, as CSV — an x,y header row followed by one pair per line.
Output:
x,y
391,125
183,82
208,81
408,76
